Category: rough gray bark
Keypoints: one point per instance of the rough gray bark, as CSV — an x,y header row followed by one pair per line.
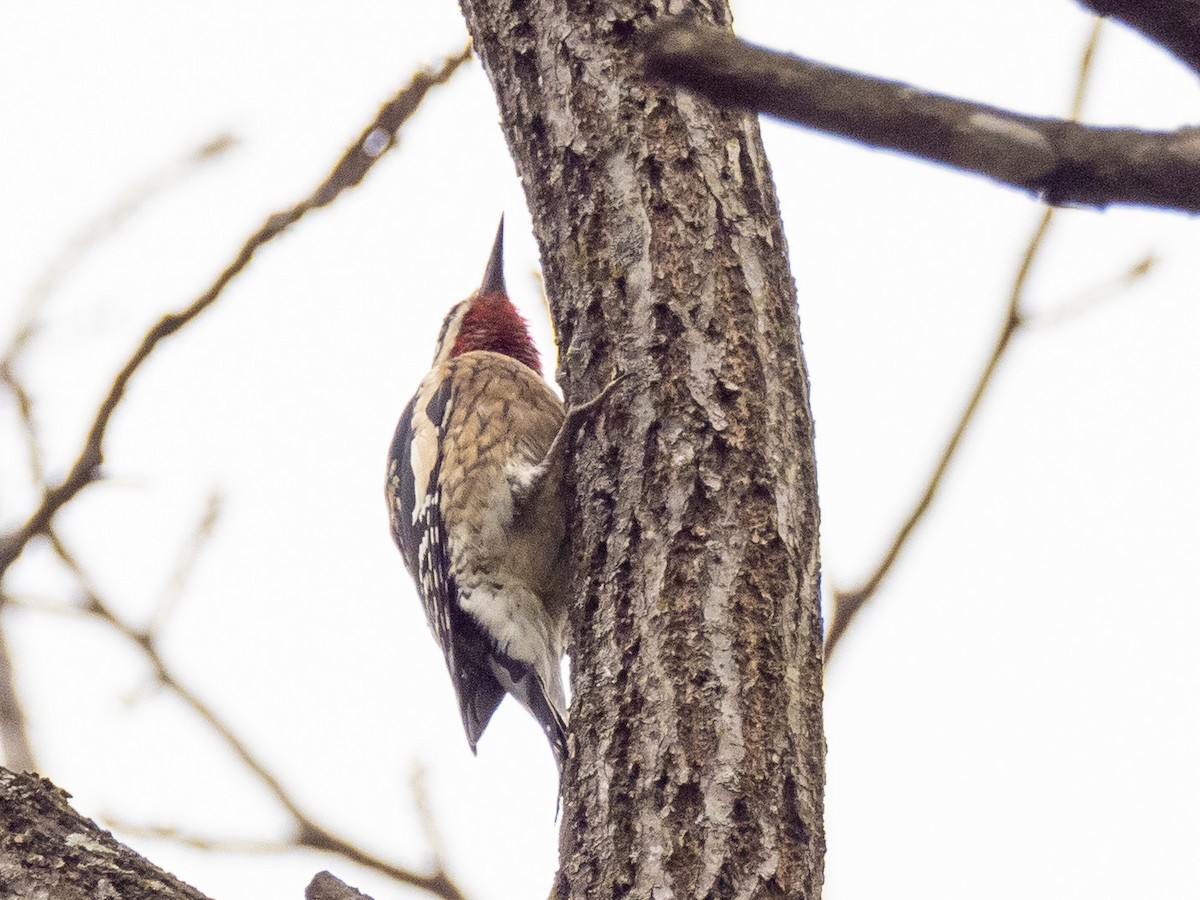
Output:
x,y
47,850
325,886
698,761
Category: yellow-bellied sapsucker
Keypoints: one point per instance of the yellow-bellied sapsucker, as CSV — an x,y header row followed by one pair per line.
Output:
x,y
474,493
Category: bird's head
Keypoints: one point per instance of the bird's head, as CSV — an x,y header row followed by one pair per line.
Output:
x,y
487,320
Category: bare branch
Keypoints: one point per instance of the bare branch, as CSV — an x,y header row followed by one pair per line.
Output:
x,y
1172,24
42,604
1058,160
374,141
66,259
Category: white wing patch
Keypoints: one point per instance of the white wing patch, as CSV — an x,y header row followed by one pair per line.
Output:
x,y
423,452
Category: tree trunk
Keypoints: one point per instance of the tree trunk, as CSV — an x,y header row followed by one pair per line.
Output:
x,y
698,761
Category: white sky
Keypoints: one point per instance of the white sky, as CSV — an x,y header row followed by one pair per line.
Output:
x,y
1016,715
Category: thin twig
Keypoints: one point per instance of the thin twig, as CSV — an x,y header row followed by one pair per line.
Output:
x,y
847,604
429,826
43,604
105,224
186,562
372,144
1089,299
18,751
195,841
355,163
28,422
67,258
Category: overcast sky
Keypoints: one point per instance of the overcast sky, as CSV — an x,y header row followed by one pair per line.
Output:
x,y
1017,713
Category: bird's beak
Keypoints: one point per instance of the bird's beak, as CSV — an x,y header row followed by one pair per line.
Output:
x,y
493,277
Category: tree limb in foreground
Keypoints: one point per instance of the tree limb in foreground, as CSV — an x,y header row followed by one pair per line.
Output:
x,y
1060,161
48,850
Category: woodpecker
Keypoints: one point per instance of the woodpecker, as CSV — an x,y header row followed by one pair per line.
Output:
x,y
474,496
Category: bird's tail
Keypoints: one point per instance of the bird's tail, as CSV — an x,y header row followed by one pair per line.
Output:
x,y
542,694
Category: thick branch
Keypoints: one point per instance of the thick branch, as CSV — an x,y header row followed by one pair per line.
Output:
x,y
372,143
49,850
1172,24
1062,162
